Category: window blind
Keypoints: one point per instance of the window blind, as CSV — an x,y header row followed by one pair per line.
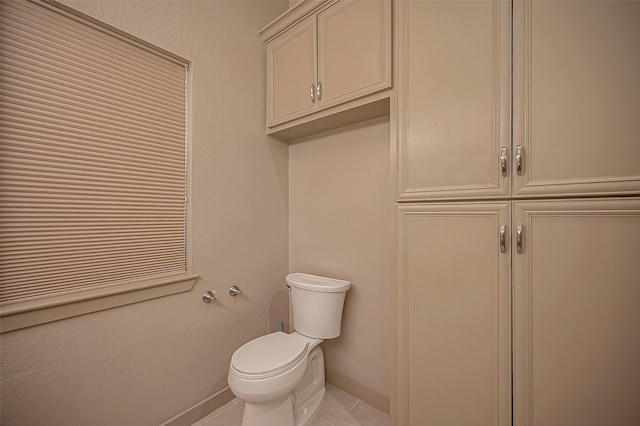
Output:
x,y
92,156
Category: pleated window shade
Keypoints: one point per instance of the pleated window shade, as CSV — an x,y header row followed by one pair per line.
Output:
x,y
92,155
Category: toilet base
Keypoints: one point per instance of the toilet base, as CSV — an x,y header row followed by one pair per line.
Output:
x,y
278,412
296,408
281,412
304,414
310,391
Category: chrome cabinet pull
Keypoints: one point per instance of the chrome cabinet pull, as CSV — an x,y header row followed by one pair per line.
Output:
x,y
503,161
519,237
319,91
503,238
519,159
313,93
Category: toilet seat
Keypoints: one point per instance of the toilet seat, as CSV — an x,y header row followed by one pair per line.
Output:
x,y
269,355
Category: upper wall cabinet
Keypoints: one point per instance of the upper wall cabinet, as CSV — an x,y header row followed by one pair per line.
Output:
x,y
576,97
323,59
291,73
354,51
454,99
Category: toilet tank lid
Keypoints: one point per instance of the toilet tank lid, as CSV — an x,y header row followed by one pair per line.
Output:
x,y
317,283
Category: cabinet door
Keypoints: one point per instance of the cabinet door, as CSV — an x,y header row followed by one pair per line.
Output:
x,y
577,96
577,317
454,113
454,359
291,73
354,50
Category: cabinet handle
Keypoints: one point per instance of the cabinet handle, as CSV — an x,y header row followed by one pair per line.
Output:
x,y
313,93
503,161
519,237
519,159
319,91
503,238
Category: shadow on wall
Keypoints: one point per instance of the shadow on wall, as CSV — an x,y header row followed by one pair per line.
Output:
x,y
279,311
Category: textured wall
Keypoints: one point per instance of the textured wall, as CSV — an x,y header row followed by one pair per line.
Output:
x,y
341,225
144,363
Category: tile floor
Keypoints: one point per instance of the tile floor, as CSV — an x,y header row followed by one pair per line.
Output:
x,y
338,408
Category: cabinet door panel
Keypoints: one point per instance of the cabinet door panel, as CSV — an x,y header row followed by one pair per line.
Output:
x,y
577,96
291,71
577,322
454,114
454,316
354,50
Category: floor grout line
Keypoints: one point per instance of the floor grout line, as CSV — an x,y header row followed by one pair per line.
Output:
x,y
348,411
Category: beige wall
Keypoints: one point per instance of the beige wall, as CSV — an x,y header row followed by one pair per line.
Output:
x,y
341,225
144,363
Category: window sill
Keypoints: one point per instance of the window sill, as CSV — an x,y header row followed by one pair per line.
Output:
x,y
14,316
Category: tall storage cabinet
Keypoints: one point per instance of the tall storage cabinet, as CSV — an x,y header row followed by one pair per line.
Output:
x,y
455,320
454,286
576,333
454,103
576,98
518,213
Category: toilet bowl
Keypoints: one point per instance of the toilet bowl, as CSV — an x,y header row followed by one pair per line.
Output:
x,y
279,376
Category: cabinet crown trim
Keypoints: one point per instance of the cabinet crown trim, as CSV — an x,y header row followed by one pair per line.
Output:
x,y
290,17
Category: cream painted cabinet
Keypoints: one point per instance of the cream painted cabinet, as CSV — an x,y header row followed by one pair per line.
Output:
x,y
291,73
341,52
576,99
574,284
575,287
454,359
454,99
354,50
576,110
576,313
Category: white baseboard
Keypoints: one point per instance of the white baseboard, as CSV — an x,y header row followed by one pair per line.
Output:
x,y
201,409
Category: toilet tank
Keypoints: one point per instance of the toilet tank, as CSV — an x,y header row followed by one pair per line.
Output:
x,y
317,304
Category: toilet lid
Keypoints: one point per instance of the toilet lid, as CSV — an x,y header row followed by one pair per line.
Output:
x,y
270,354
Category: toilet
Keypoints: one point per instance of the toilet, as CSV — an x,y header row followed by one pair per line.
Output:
x,y
280,376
